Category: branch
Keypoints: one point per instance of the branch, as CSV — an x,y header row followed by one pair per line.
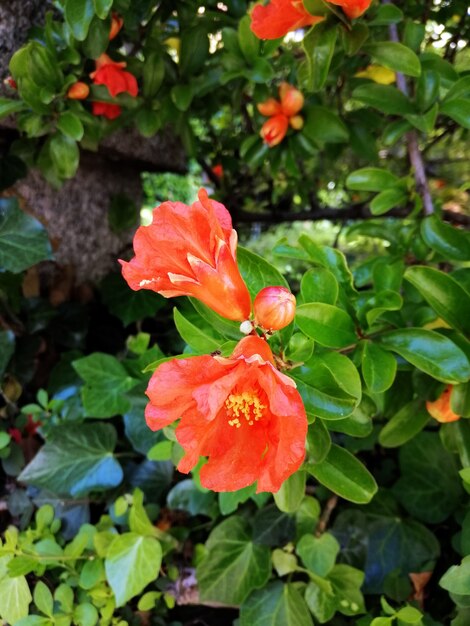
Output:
x,y
412,139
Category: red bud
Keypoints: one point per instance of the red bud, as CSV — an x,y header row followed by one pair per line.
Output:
x,y
274,308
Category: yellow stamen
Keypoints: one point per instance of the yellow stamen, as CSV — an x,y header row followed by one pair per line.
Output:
x,y
247,405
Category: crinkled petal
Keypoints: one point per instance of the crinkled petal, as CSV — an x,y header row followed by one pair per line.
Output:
x,y
279,17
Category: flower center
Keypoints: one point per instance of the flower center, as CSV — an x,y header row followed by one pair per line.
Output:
x,y
244,405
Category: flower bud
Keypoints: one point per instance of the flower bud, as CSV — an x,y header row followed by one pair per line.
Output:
x,y
78,91
274,130
269,107
440,409
9,81
292,99
274,308
116,25
296,122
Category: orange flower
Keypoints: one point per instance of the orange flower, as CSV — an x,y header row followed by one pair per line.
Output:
x,y
440,409
78,91
190,251
240,412
116,25
279,17
274,130
112,74
292,99
274,308
352,8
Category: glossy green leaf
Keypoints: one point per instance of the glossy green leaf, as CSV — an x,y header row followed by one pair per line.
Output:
x,y
75,460
328,325
8,107
457,578
64,154
258,273
458,110
388,199
429,486
102,8
69,124
430,352
182,96
43,598
444,294
194,50
385,98
132,562
291,493
319,46
106,382
234,566
395,56
371,179
272,527
343,474
195,337
331,259
323,125
453,243
404,425
460,399
248,42
275,605
319,285
23,240
126,304
78,15
378,367
15,598
387,14
318,441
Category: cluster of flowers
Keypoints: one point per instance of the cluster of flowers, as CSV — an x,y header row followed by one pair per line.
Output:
x,y
282,113
240,412
111,74
279,17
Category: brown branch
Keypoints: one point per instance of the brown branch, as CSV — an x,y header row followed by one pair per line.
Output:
x,y
325,516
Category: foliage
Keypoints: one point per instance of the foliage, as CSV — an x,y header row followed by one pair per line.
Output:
x,y
374,529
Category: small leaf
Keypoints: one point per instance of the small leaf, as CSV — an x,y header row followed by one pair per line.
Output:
x,y
275,605
318,553
449,241
404,425
378,367
385,98
371,179
78,15
328,325
394,55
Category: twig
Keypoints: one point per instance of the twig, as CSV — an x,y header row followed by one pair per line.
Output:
x,y
325,516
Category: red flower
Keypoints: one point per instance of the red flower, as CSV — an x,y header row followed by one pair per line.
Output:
x,y
117,80
190,251
274,130
279,17
352,8
241,413
440,409
218,170
116,25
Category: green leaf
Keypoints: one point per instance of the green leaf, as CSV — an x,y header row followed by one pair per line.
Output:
x,y
275,605
126,304
15,598
343,474
430,352
318,441
371,179
23,240
75,460
8,107
234,566
404,425
97,39
385,98
378,367
429,491
444,294
449,241
458,110
78,15
70,125
182,96
258,273
102,8
272,527
248,42
321,602
194,50
318,553
85,614
388,199
457,578
395,56
460,399
347,582
387,14
328,325
7,348
291,493
319,46
64,154
43,598
323,125
459,88
331,259
229,500
153,73
132,562
106,382
196,338
319,285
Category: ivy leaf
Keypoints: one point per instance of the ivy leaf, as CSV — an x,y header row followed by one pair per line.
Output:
x,y
106,382
132,562
126,304
234,565
75,460
23,240
275,605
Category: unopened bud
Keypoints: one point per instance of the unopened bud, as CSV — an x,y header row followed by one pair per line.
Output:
x,y
9,81
269,107
116,25
78,91
274,308
246,327
440,409
296,122
292,99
